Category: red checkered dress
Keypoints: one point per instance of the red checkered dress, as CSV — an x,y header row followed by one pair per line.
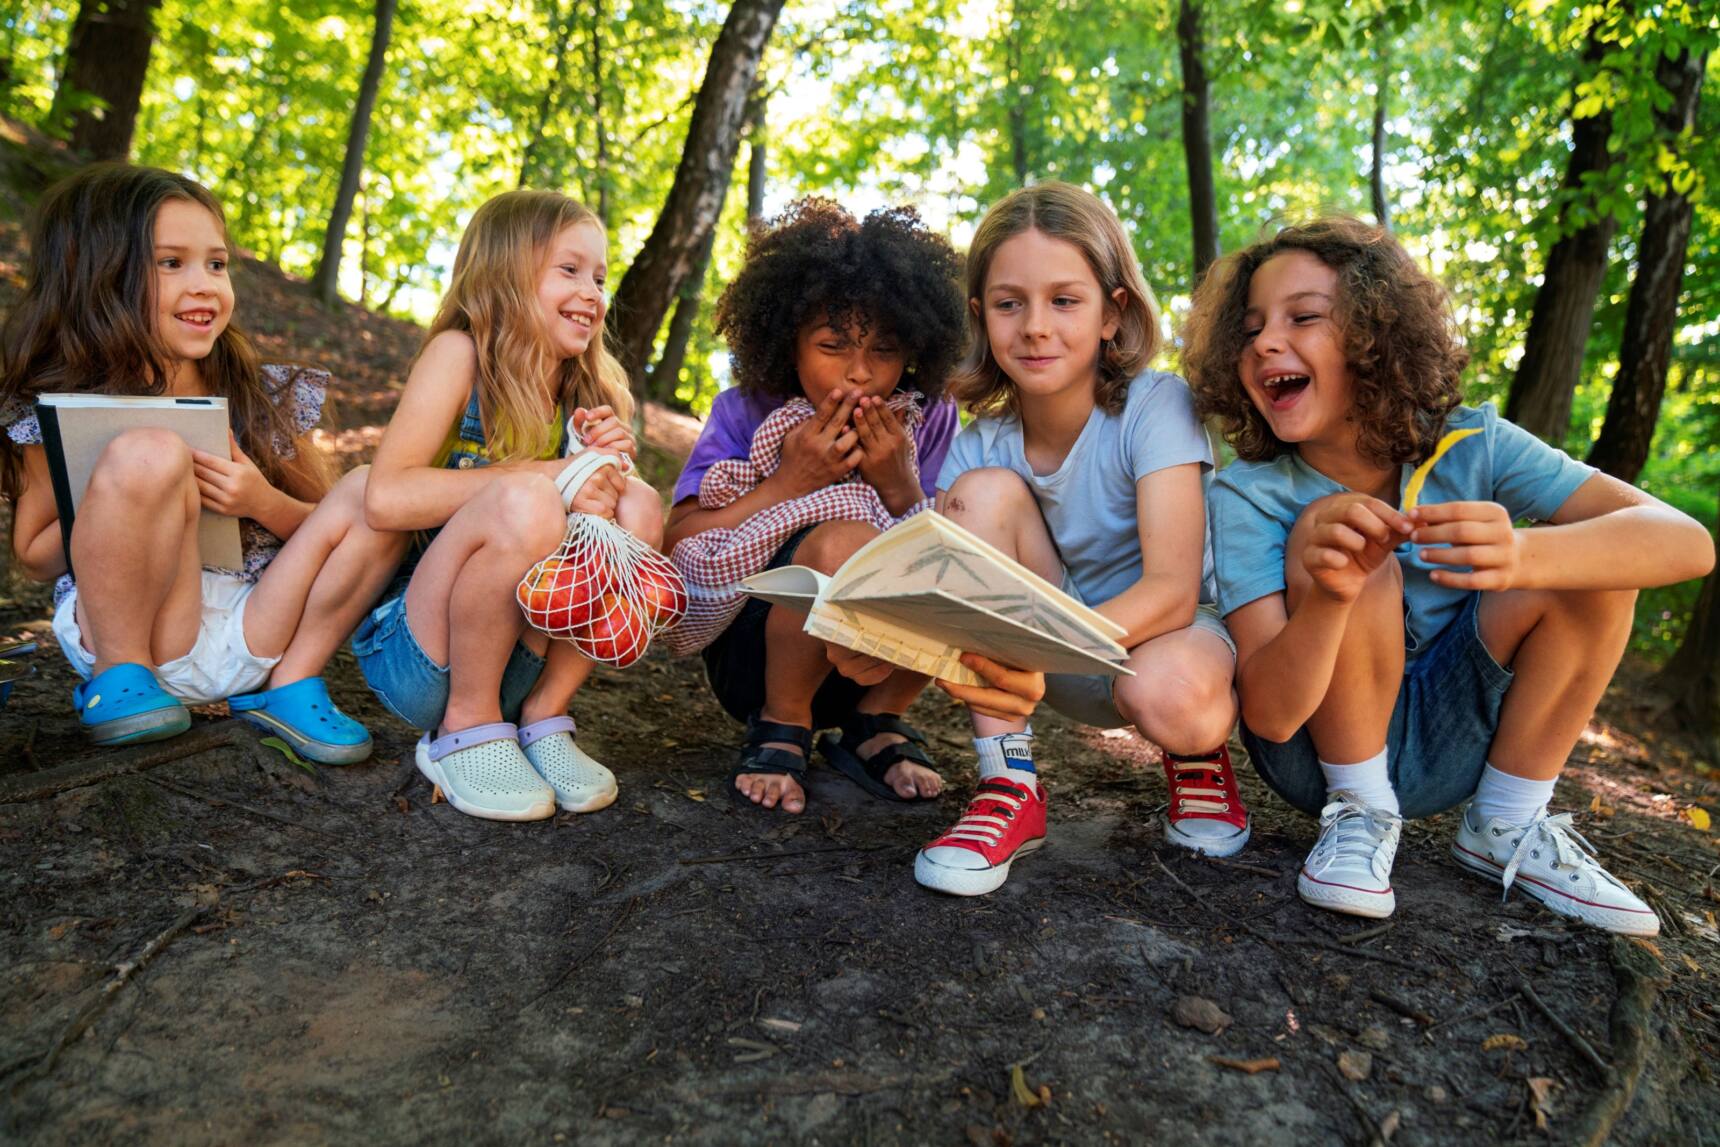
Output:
x,y
714,561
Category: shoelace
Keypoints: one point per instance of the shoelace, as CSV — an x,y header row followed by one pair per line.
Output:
x,y
986,817
1187,796
1336,838
1571,847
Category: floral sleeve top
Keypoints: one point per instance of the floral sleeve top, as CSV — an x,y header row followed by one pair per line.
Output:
x,y
300,391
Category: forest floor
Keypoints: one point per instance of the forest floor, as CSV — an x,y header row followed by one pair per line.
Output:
x,y
206,943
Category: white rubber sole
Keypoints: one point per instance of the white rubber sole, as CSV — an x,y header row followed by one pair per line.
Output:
x,y
540,810
1206,845
968,881
1621,921
591,804
1341,898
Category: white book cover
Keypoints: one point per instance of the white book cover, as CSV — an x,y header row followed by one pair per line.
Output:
x,y
924,592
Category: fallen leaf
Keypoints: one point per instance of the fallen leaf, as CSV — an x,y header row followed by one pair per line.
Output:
x,y
402,804
1599,809
58,931
1200,1013
436,796
779,1025
696,794
1505,1040
1355,1065
1374,1038
1024,1094
286,751
1698,818
1541,1099
1652,948
1250,1066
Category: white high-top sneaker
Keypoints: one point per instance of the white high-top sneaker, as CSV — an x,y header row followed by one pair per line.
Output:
x,y
1350,867
1551,861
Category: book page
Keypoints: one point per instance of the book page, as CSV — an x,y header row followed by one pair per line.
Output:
x,y
896,644
794,586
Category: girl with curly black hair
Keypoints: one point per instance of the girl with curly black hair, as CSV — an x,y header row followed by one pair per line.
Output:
x,y
1397,659
841,333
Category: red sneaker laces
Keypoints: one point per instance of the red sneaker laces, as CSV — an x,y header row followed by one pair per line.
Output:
x,y
1199,786
986,817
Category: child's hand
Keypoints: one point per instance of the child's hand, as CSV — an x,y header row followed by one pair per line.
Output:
x,y
601,493
1479,535
600,430
822,450
856,666
1352,537
1008,694
232,486
886,450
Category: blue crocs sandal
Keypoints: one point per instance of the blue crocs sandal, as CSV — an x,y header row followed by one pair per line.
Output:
x,y
302,715
126,704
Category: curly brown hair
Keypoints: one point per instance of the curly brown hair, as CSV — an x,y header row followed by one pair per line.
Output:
x,y
1074,215
1400,342
817,260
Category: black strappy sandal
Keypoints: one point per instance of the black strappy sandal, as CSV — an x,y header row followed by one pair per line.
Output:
x,y
755,758
868,772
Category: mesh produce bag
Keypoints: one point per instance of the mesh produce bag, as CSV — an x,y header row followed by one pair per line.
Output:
x,y
604,590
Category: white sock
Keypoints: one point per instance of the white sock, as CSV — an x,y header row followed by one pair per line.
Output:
x,y
1008,755
1514,800
1367,780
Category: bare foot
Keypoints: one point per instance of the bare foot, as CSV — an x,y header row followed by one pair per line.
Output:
x,y
773,789
910,779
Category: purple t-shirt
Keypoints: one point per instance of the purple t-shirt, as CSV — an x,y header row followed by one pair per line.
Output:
x,y
736,416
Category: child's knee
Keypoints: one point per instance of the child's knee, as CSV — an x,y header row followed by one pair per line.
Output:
x,y
640,512
831,544
1606,612
1182,715
990,489
526,510
145,460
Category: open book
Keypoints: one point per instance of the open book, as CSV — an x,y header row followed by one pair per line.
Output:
x,y
76,428
924,592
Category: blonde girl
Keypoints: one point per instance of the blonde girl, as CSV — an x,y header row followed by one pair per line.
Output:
x,y
1087,466
513,363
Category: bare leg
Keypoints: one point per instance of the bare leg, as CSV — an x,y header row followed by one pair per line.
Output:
x,y
997,505
461,604
1351,723
1180,698
1562,646
317,590
565,671
134,546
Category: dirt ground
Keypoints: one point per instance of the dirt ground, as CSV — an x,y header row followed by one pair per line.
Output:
x,y
225,946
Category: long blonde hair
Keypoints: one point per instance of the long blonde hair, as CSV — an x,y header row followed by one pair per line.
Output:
x,y
1062,211
493,299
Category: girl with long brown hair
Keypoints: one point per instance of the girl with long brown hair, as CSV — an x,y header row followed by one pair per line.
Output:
x,y
129,294
513,363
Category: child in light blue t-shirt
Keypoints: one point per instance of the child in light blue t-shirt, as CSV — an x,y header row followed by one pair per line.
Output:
x,y
1398,660
1088,468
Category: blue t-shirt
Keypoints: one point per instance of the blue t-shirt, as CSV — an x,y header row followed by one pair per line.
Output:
x,y
1088,502
1254,504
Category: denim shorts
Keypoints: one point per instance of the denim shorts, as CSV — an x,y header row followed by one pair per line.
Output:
x,y
1442,725
411,685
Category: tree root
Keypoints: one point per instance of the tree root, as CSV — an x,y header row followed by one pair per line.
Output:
x,y
89,1012
52,782
1639,975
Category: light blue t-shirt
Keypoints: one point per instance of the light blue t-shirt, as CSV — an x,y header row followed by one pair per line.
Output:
x,y
1253,505
1089,501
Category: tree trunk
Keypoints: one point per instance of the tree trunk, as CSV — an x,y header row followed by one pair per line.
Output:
x,y
666,374
1015,101
323,283
1377,177
562,28
756,166
695,200
1197,138
1691,680
1651,316
1564,309
107,56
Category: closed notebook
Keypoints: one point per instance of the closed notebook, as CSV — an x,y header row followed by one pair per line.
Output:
x,y
923,592
76,428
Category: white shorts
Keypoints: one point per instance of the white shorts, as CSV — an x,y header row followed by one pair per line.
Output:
x,y
219,665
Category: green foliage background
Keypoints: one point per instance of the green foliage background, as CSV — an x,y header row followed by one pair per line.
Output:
x,y
948,104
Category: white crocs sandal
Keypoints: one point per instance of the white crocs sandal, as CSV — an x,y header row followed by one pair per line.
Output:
x,y
580,783
483,773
